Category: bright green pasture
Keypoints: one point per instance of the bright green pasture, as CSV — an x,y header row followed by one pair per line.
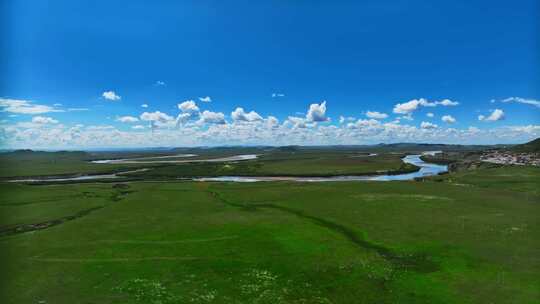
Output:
x,y
26,205
515,178
454,241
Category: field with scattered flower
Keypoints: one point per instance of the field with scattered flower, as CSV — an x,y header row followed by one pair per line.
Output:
x,y
458,238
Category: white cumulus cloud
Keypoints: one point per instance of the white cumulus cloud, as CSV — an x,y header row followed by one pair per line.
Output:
x,y
100,128
317,112
297,122
127,119
412,105
272,122
44,120
269,131
447,103
448,119
212,117
376,115
182,118
205,99
406,117
156,116
495,115
428,125
365,124
25,107
111,95
240,115
188,106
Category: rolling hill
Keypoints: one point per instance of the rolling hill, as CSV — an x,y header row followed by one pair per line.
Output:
x,y
532,146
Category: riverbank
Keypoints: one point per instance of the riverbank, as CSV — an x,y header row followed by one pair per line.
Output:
x,y
412,167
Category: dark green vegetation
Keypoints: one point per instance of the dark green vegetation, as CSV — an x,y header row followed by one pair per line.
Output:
x,y
36,163
271,162
288,164
289,160
532,146
458,160
319,163
39,163
468,237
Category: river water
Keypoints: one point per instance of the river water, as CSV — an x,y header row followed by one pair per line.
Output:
x,y
76,178
159,159
426,169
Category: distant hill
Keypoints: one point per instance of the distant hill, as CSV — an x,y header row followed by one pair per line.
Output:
x,y
205,150
432,147
532,146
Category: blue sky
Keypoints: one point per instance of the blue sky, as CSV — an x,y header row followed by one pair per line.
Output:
x,y
358,56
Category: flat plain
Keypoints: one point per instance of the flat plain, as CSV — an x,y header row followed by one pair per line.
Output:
x,y
464,237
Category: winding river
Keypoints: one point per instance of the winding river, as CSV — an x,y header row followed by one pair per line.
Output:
x,y
426,169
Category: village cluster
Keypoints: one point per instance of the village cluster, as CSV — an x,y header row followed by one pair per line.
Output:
x,y
511,158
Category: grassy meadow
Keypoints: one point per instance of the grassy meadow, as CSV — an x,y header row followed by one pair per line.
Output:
x,y
35,163
287,164
466,237
271,162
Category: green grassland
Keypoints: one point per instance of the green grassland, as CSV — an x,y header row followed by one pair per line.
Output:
x,y
288,164
532,146
519,179
41,163
288,160
271,162
468,237
33,163
331,164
